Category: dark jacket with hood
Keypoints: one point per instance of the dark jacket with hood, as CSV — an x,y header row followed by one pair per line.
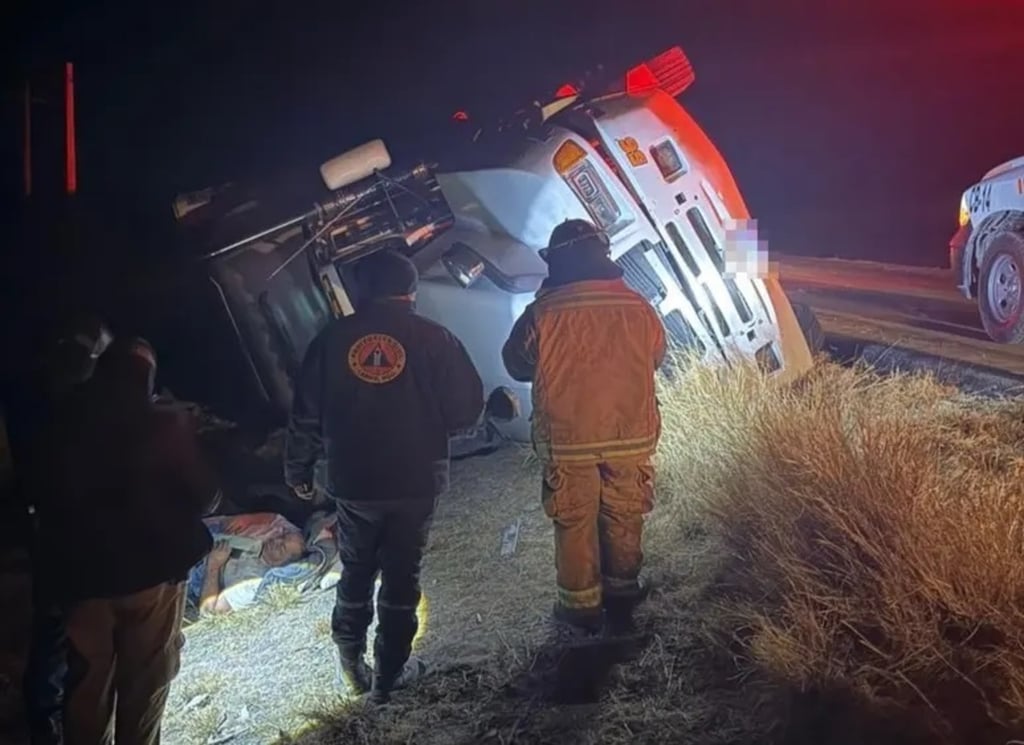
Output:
x,y
121,489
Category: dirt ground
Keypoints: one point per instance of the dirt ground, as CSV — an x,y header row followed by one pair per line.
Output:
x,y
252,676
268,674
259,673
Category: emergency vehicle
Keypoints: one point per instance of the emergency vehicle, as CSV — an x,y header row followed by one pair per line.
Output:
x,y
619,151
987,251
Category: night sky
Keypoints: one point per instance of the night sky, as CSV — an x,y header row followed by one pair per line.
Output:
x,y
851,126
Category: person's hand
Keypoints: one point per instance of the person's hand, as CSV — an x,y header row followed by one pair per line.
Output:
x,y
303,491
220,554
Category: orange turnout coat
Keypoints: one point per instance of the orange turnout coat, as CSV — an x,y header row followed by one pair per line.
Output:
x,y
591,349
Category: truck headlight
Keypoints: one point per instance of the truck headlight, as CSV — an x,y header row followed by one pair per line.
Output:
x,y
572,163
965,214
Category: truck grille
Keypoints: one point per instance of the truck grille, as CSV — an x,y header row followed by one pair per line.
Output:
x,y
700,227
681,334
707,240
639,275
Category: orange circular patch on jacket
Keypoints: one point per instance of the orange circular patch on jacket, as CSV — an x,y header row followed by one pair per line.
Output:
x,y
376,358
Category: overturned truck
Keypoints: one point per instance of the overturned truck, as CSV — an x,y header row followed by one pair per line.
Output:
x,y
618,150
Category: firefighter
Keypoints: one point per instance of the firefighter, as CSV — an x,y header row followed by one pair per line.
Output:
x,y
591,347
378,396
68,363
120,490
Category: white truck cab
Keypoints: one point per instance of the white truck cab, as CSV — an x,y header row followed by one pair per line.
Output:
x,y
640,168
627,157
987,251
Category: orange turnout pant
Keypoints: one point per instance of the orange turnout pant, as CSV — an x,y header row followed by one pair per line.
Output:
x,y
124,653
598,511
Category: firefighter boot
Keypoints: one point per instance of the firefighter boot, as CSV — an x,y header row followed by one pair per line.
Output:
x,y
384,682
585,620
354,673
619,608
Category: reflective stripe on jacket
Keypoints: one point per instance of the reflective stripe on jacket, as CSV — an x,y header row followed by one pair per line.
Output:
x,y
591,350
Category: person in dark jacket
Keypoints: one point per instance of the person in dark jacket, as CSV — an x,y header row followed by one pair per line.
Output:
x,y
120,492
68,363
378,395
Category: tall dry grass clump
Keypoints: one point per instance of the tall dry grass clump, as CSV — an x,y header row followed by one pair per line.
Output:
x,y
874,535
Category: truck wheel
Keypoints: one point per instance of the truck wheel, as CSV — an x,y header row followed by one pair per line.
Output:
x,y
810,325
1000,297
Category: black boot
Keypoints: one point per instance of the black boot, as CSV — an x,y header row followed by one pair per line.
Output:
x,y
619,608
584,620
354,673
619,616
384,683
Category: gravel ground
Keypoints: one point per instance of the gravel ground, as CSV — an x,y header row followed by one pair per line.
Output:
x,y
254,676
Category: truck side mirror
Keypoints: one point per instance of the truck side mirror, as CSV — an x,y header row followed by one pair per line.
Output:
x,y
463,263
502,405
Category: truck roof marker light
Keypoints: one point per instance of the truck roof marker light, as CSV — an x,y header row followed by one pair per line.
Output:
x,y
673,71
670,71
641,79
567,91
569,154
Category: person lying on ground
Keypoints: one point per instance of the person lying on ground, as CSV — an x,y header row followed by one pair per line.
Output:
x,y
235,568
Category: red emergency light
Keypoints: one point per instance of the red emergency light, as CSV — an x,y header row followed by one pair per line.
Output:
x,y
670,71
567,91
460,116
640,80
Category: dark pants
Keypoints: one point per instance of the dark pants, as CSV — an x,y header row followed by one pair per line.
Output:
x,y
386,540
46,667
45,672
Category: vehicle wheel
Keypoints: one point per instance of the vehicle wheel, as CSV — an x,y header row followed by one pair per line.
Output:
x,y
1000,297
810,325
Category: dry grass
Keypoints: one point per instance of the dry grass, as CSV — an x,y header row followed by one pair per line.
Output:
x,y
201,715
875,534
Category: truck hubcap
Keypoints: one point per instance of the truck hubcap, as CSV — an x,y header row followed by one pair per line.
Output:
x,y
1004,289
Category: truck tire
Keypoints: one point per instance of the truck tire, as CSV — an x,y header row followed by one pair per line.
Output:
x,y
810,325
1000,292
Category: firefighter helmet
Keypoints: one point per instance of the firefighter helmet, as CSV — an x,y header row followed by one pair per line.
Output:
x,y
576,234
